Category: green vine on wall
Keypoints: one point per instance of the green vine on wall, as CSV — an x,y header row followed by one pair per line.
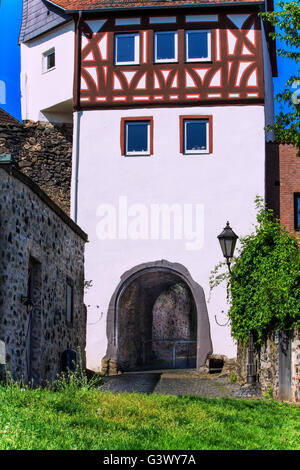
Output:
x,y
264,288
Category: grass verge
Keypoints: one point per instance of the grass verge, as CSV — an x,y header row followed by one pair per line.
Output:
x,y
89,420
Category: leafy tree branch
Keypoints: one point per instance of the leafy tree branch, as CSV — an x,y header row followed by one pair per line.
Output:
x,y
286,21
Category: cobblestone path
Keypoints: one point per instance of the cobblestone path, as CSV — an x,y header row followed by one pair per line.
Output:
x,y
172,382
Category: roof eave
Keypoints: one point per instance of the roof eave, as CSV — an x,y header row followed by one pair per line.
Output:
x,y
153,7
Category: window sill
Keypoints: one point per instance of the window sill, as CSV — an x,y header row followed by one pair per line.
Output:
x,y
49,70
122,64
137,155
167,61
195,153
198,61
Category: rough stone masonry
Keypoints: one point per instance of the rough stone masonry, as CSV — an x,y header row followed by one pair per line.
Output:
x,y
42,251
44,153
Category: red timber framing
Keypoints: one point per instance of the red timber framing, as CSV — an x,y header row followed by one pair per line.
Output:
x,y
234,75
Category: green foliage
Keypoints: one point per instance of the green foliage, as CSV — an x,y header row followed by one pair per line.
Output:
x,y
264,288
233,378
287,24
76,379
268,393
89,420
69,382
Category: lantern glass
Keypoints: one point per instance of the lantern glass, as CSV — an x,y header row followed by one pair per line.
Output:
x,y
227,241
223,246
230,246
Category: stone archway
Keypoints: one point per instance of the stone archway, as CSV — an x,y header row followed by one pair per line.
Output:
x,y
138,291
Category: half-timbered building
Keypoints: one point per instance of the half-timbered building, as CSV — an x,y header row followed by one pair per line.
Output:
x,y
169,100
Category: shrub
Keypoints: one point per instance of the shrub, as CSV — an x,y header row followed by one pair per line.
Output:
x,y
264,287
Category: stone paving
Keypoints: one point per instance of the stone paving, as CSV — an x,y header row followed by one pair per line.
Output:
x,y
172,382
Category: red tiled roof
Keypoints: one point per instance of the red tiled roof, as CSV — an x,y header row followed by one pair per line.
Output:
x,y
102,4
6,119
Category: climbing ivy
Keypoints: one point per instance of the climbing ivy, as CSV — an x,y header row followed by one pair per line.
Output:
x,y
264,287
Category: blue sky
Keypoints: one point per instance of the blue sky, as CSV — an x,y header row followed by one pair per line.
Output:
x,y
10,21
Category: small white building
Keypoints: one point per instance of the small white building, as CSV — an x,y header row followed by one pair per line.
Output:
x,y
169,102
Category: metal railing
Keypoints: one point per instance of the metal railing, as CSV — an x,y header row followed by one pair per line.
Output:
x,y
175,342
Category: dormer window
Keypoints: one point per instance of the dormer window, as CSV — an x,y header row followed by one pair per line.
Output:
x,y
49,60
127,49
197,46
165,46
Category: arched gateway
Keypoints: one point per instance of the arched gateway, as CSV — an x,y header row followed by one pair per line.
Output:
x,y
157,312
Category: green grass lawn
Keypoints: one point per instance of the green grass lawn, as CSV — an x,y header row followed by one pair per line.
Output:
x,y
88,419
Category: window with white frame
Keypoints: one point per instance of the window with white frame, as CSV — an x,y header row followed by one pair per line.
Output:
x,y
196,136
49,60
127,49
137,137
197,46
165,46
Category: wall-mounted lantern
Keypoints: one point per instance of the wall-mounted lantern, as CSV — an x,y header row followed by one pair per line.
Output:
x,y
228,240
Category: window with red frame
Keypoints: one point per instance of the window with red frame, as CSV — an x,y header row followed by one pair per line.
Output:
x,y
137,136
195,135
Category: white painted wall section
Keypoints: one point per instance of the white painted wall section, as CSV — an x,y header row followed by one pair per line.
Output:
x,y
222,185
48,90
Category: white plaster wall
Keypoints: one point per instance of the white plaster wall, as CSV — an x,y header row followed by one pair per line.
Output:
x,y
225,182
42,90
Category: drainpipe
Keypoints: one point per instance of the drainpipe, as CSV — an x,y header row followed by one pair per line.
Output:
x,y
75,165
77,116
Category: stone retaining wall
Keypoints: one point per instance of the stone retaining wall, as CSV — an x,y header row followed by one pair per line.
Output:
x,y
267,365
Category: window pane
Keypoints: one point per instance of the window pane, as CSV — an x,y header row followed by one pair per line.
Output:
x,y
125,48
50,60
165,46
195,135
197,44
298,212
137,137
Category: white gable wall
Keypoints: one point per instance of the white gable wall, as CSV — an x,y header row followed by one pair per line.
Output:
x,y
43,90
224,184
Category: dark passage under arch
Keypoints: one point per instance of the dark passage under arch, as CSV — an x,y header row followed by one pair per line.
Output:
x,y
157,318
